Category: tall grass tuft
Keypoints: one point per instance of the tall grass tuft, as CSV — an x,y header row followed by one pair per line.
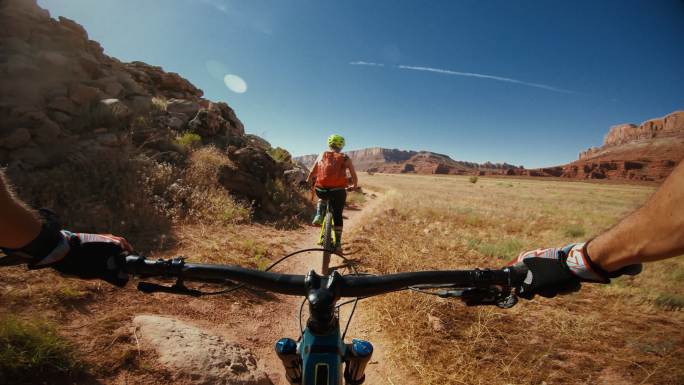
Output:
x,y
31,352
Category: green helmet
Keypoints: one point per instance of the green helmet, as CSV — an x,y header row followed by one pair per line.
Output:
x,y
336,141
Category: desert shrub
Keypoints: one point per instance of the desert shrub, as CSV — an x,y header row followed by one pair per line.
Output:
x,y
212,206
280,154
142,122
98,115
32,352
133,195
473,179
355,198
189,140
670,301
206,200
204,166
110,192
258,252
291,204
159,104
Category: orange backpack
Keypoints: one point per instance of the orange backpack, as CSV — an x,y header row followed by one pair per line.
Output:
x,y
331,171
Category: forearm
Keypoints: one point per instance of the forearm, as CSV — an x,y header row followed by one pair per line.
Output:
x,y
312,173
654,232
18,224
352,171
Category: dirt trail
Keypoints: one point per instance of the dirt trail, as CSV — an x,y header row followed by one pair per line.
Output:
x,y
258,328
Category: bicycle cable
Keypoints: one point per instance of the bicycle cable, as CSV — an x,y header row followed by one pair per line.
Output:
x,y
348,263
271,266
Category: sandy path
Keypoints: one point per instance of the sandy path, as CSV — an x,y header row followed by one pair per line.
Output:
x,y
260,327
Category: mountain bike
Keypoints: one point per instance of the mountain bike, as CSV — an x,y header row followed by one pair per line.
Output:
x,y
320,356
327,239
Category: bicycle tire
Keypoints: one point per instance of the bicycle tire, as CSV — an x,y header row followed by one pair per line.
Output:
x,y
327,243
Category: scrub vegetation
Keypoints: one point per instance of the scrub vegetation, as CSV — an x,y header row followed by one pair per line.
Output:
x,y
630,332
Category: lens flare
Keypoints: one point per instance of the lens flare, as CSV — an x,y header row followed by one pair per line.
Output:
x,y
235,83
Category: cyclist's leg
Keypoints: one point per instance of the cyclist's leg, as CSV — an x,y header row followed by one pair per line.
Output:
x,y
337,200
320,207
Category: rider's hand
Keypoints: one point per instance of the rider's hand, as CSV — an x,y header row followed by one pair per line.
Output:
x,y
79,254
94,256
561,270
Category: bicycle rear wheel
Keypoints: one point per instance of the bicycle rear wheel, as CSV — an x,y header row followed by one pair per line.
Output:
x,y
327,242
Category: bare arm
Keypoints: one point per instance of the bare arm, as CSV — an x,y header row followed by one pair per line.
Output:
x,y
653,232
312,173
18,224
355,179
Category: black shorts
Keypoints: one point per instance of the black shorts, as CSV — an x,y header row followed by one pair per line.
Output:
x,y
336,198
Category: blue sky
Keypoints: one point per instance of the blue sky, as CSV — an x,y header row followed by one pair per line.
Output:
x,y
525,82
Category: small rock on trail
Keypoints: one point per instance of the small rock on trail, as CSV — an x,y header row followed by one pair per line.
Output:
x,y
203,357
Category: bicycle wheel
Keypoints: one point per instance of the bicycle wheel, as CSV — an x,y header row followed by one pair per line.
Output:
x,y
327,242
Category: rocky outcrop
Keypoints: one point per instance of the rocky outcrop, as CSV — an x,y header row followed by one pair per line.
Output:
x,y
61,97
196,354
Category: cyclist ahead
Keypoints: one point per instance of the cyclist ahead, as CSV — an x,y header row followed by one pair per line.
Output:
x,y
330,172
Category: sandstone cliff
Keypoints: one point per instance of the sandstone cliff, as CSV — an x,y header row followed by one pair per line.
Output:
x,y
648,151
367,158
394,161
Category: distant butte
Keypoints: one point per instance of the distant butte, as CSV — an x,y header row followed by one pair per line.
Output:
x,y
646,152
395,161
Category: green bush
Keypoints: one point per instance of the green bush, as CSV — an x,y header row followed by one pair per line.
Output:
x,y
280,154
473,179
189,140
33,352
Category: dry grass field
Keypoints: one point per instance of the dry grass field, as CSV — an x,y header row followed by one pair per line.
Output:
x,y
630,332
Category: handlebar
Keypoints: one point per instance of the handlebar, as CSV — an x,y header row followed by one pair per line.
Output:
x,y
341,286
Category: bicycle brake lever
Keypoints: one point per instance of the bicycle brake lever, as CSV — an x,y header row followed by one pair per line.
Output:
x,y
450,293
177,288
475,296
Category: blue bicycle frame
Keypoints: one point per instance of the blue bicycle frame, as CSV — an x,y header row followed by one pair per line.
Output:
x,y
319,356
322,358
